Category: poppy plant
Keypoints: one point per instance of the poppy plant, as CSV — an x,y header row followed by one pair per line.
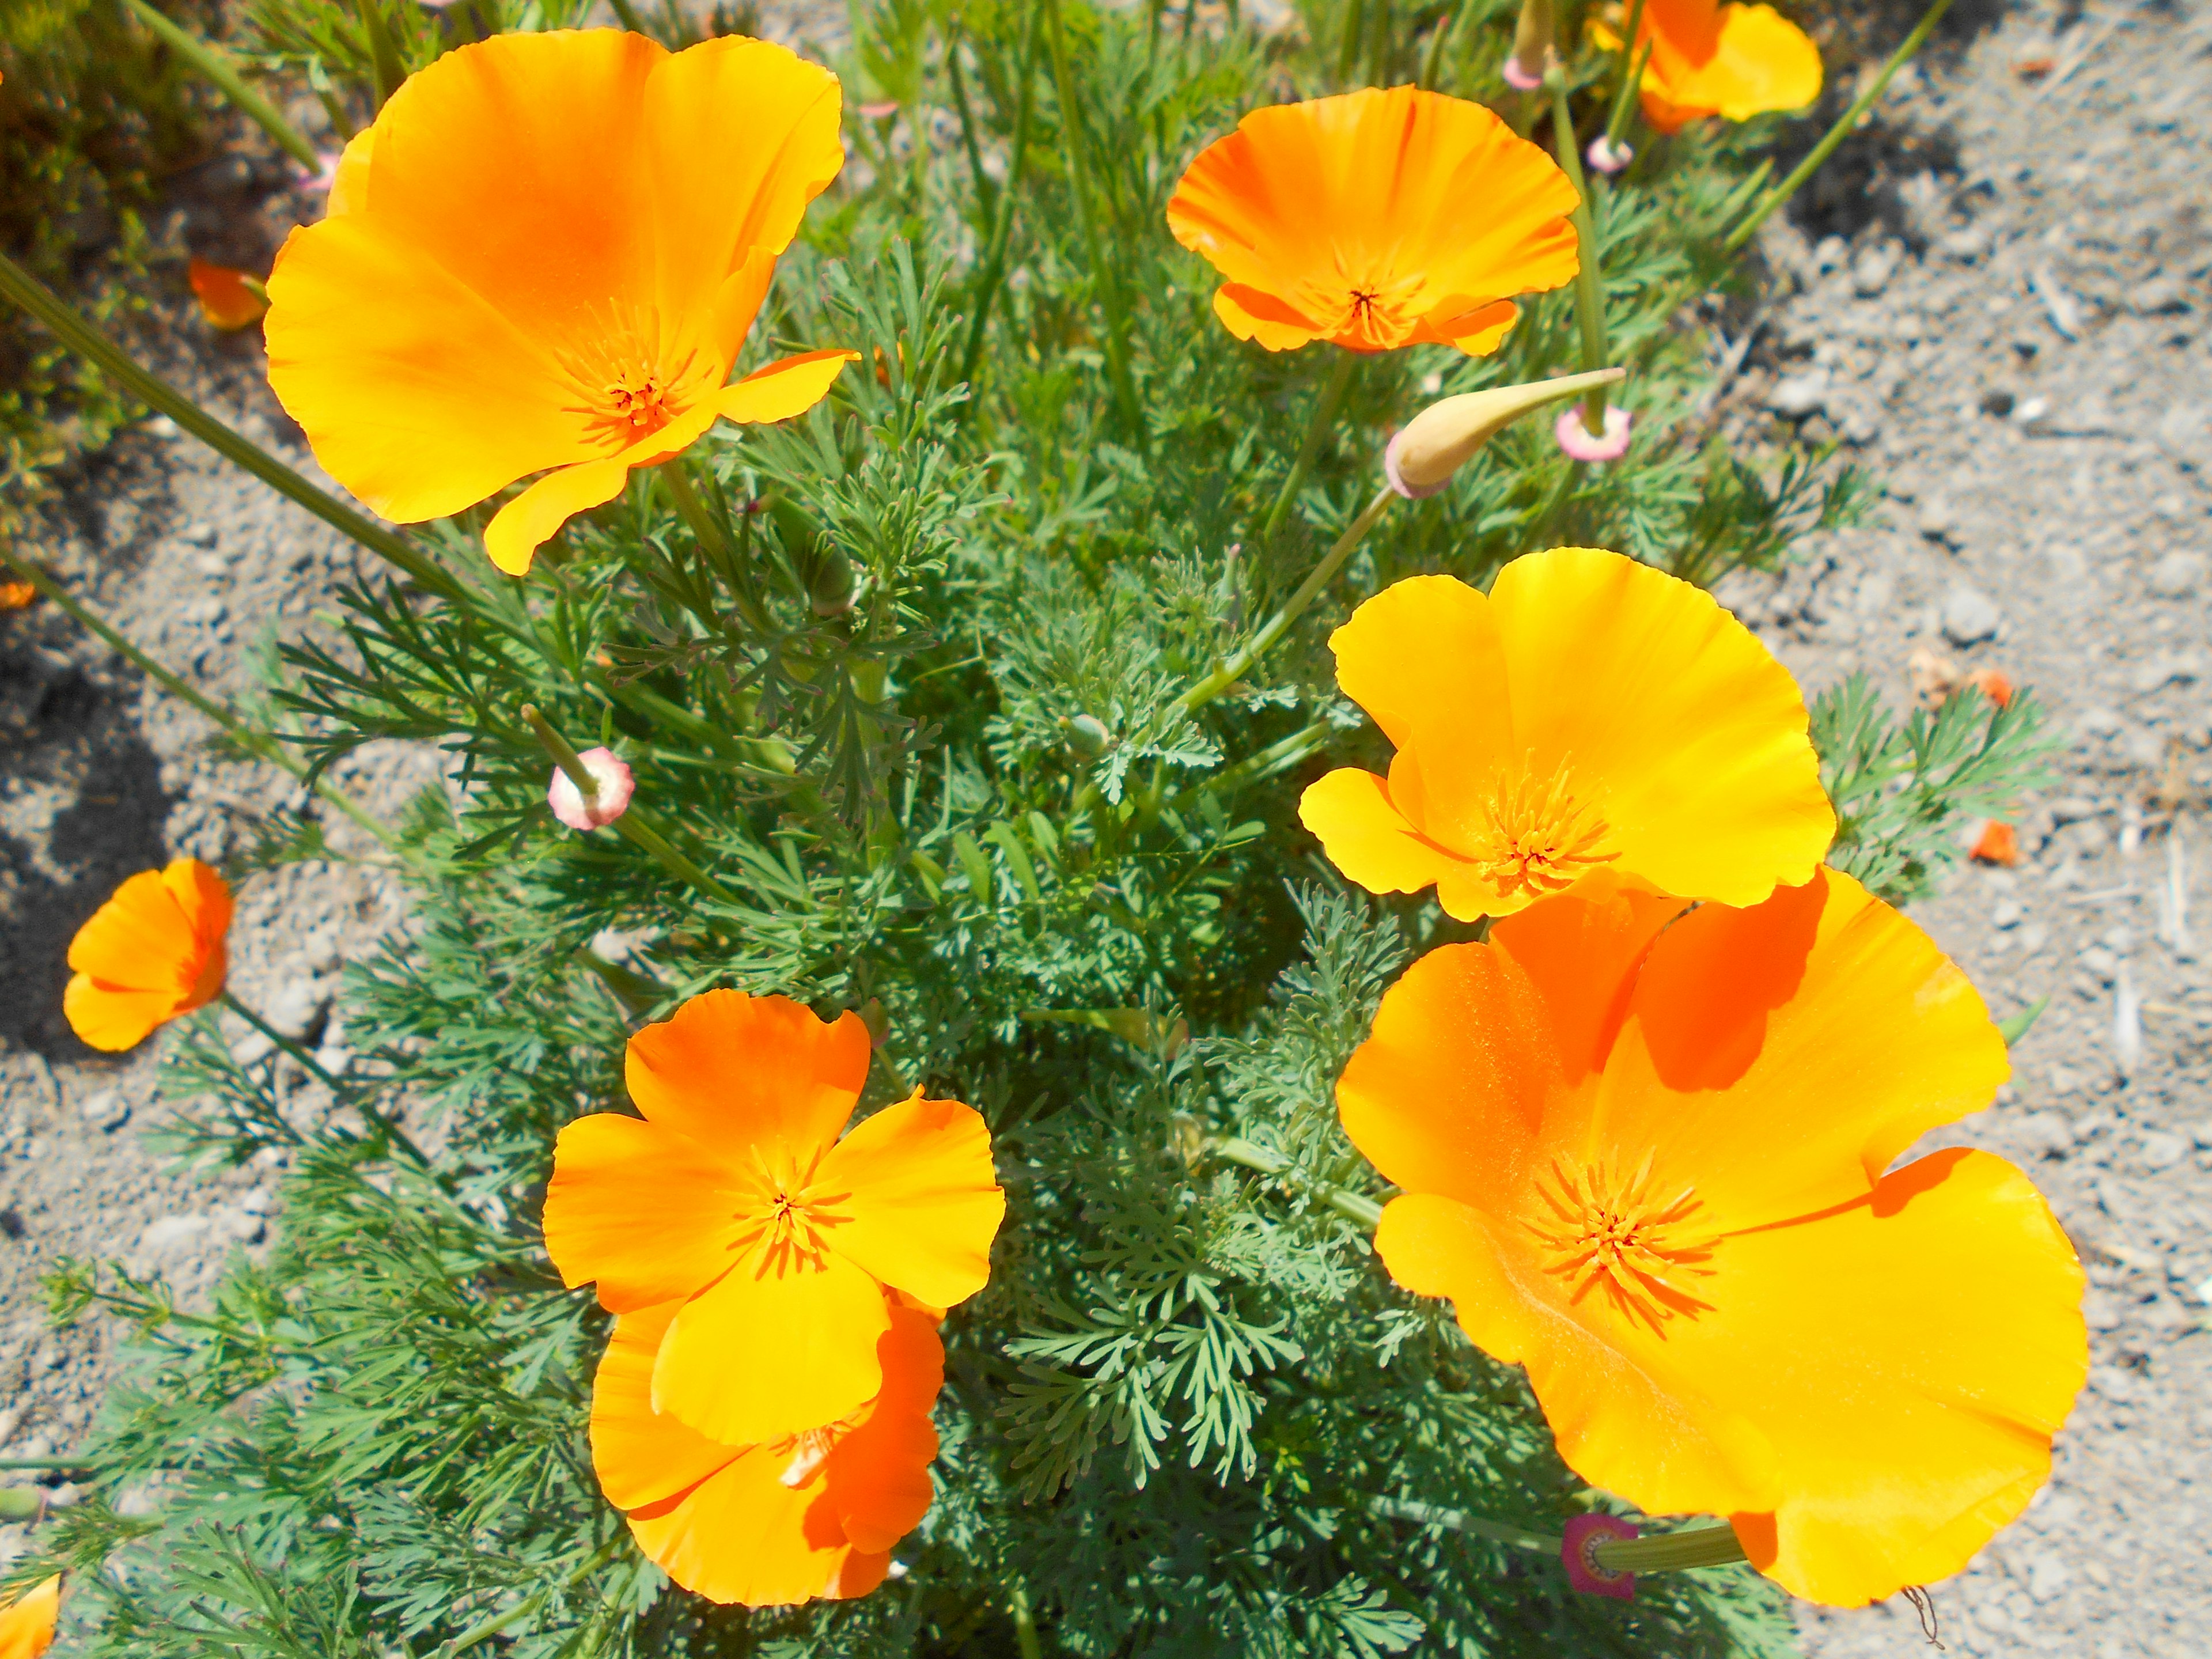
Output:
x,y
1647,1154
1376,220
802,1517
27,1624
1589,713
153,951
546,254
1708,59
734,1200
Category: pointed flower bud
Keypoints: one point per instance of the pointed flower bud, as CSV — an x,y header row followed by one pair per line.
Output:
x,y
609,802
1440,440
1531,46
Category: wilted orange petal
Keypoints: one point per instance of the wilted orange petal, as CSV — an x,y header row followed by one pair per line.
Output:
x,y
1994,684
919,1201
778,1344
17,596
27,1624
230,300
646,1213
731,1070
1996,842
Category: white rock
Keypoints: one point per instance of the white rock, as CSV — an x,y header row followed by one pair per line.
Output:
x,y
1969,618
1794,396
106,1110
172,1236
2161,1150
2176,575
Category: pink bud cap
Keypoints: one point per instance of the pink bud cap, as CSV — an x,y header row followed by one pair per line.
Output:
x,y
877,112
1519,79
1606,159
615,785
1574,437
1579,1555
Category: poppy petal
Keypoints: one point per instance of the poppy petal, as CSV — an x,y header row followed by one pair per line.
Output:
x,y
917,1202
27,1624
526,523
1762,1050
349,191
137,939
1365,836
1425,643
1478,332
735,1072
1614,664
648,1213
419,394
741,1536
1251,313
1948,1329
775,1347
112,1018
783,389
643,1456
878,1475
738,136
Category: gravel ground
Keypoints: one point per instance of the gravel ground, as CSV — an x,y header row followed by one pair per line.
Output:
x,y
1997,299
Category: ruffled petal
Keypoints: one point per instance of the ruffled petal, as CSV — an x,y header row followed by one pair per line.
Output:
x,y
1674,719
775,1347
1251,313
915,1201
735,1072
1423,644
1365,836
647,1213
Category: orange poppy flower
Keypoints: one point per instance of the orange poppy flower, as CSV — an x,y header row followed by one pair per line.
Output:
x,y
27,1624
1376,220
546,253
801,1517
1713,59
153,951
230,300
1644,1153
733,1199
1589,711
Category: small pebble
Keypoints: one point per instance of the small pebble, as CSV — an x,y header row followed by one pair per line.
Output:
x,y
2176,575
1969,616
108,1110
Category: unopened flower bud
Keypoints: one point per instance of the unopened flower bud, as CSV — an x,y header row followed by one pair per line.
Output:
x,y
609,802
828,574
1580,444
1087,735
1531,46
1440,440
1608,157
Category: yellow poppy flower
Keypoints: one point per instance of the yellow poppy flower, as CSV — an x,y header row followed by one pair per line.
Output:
x,y
1647,1155
157,949
1376,220
1710,59
1589,713
546,253
27,1624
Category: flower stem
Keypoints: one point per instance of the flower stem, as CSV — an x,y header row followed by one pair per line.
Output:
x,y
1026,1630
1279,624
1324,414
213,61
1665,1552
1354,1206
33,297
1347,55
1633,63
633,825
1844,125
1433,66
1589,300
391,1130
1002,224
1109,286
265,745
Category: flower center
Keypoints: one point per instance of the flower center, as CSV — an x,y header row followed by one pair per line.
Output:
x,y
1538,838
1601,1230
790,1219
630,381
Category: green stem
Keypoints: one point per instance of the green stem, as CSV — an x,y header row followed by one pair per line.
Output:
x,y
1589,300
397,1135
213,61
1026,1630
1631,75
1324,414
633,825
1836,134
1434,65
626,16
1279,624
1109,286
1348,51
1665,1552
383,50
1430,1515
1002,226
1354,1206
1266,763
33,295
266,745
987,191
